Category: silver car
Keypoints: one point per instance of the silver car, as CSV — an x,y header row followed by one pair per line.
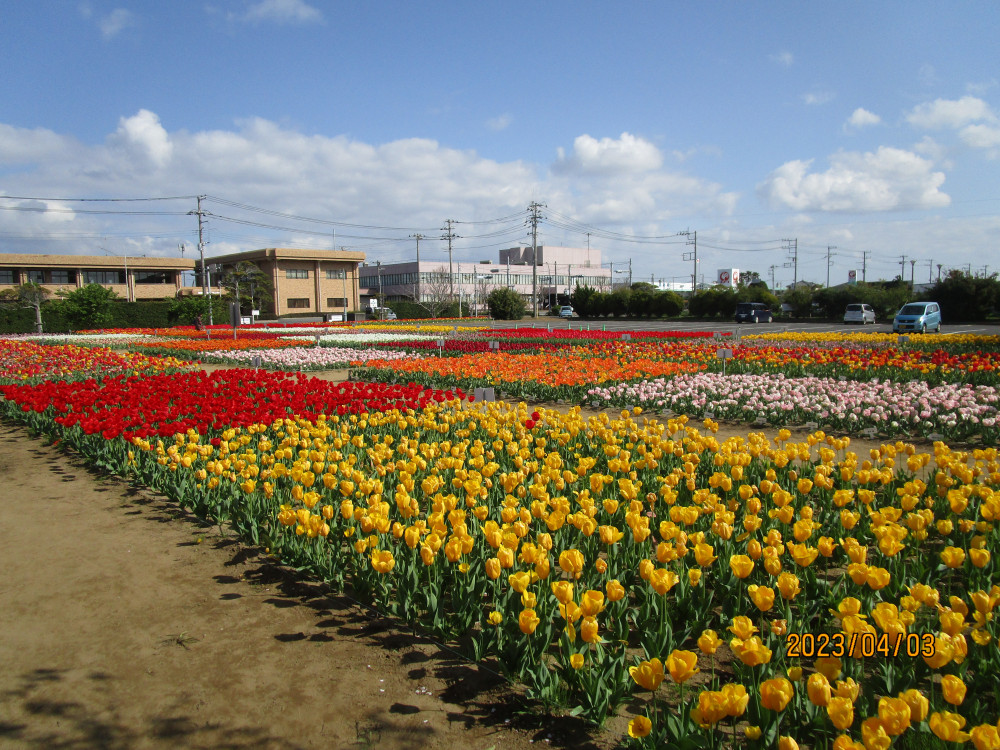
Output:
x,y
859,313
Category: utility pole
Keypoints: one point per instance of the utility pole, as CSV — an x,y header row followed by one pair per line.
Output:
x,y
378,270
692,256
930,271
913,265
771,271
939,271
864,264
829,262
418,237
629,273
902,268
205,292
792,246
535,209
450,235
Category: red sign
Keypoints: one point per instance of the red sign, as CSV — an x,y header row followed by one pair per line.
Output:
x,y
724,277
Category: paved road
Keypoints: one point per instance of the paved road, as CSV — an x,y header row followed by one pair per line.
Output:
x,y
777,326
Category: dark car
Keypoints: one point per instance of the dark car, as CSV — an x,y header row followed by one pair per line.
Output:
x,y
753,312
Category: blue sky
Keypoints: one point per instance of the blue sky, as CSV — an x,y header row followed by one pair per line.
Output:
x,y
863,126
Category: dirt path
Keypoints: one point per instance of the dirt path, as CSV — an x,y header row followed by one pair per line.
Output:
x,y
127,624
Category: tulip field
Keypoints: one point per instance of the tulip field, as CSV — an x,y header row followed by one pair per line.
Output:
x,y
612,555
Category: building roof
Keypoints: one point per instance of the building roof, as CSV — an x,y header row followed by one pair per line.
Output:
x,y
24,260
289,253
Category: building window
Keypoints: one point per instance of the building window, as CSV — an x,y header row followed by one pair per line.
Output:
x,y
63,277
6,276
36,276
336,274
153,277
296,273
104,277
336,301
298,303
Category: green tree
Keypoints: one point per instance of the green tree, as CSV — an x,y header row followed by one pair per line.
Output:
x,y
506,304
582,300
247,284
184,309
965,298
27,295
667,303
89,307
801,300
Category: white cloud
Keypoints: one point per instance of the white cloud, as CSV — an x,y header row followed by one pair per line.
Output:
x,y
782,58
24,146
886,180
982,136
116,22
814,98
143,138
609,155
950,113
862,118
500,122
283,11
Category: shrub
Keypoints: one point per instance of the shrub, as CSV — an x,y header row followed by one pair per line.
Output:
x,y
506,304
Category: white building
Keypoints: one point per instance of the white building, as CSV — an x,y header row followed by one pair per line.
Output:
x,y
560,270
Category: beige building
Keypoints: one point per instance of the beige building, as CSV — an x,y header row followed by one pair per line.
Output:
x,y
131,278
312,282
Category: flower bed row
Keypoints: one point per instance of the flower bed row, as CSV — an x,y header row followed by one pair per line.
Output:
x,y
957,412
21,359
797,589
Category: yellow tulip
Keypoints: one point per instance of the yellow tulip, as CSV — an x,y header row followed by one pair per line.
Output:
x,y
742,627
616,592
818,689
741,565
841,712
576,661
662,580
528,621
563,591
895,715
592,603
682,665
751,652
787,743
519,581
735,699
948,726
708,642
953,689
572,562
918,703
985,737
639,727
648,674
776,693
953,557
979,557
788,585
704,554
588,630
873,734
762,597
382,560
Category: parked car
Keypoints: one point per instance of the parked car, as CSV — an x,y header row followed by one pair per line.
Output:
x,y
566,312
918,317
859,313
384,313
753,312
